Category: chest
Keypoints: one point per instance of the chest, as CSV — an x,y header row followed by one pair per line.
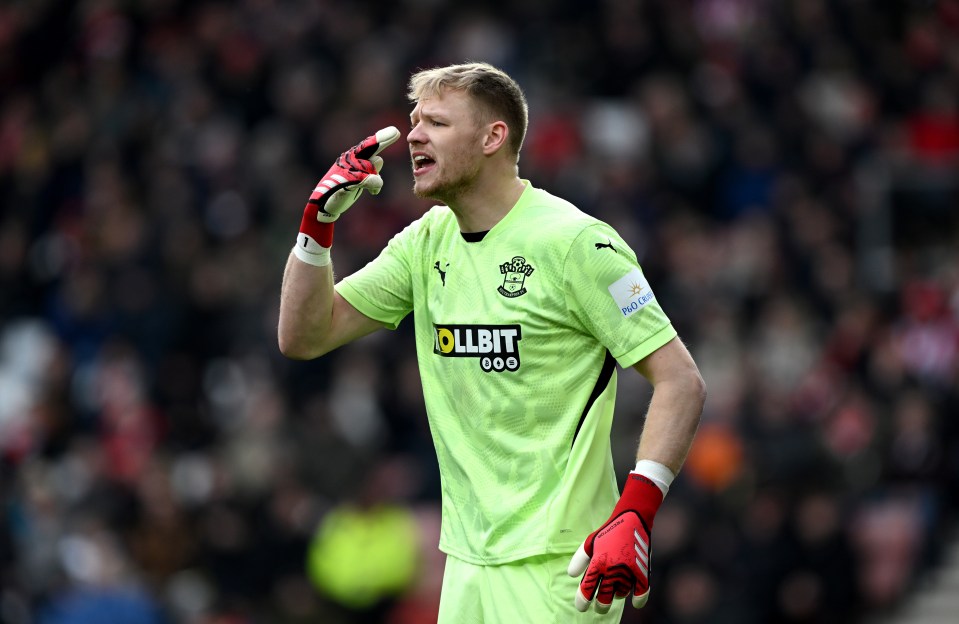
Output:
x,y
473,283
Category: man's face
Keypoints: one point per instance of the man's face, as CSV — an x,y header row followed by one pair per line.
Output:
x,y
446,146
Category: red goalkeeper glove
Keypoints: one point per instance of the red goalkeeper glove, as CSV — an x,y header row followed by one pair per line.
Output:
x,y
615,557
357,169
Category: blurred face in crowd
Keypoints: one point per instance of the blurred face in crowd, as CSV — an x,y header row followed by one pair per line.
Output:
x,y
446,146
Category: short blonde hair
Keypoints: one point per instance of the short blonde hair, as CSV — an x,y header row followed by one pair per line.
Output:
x,y
499,96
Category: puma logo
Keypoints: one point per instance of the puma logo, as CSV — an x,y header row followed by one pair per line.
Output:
x,y
608,245
441,271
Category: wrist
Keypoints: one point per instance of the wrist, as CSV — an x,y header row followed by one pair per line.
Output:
x,y
318,258
642,495
656,472
315,238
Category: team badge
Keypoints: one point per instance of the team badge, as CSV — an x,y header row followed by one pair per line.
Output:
x,y
514,273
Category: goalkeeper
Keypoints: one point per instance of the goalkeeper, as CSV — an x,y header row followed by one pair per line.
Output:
x,y
524,307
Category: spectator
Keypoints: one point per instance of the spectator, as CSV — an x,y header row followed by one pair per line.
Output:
x,y
153,155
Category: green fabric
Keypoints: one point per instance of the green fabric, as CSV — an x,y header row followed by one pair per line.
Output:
x,y
532,591
512,333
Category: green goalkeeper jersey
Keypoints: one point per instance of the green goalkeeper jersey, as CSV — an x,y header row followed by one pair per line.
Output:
x,y
517,337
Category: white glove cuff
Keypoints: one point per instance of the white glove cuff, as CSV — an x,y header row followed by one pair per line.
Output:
x,y
656,472
318,259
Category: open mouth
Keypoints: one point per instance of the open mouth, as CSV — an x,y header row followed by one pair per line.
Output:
x,y
422,163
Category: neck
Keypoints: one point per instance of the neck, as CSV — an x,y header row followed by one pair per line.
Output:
x,y
485,205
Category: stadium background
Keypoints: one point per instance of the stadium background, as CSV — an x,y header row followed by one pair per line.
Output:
x,y
786,171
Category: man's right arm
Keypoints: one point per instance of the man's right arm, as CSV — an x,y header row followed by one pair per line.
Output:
x,y
314,318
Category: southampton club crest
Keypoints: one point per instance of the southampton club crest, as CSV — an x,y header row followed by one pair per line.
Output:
x,y
514,273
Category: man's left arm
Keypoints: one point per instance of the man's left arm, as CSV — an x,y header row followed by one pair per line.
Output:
x,y
679,393
616,557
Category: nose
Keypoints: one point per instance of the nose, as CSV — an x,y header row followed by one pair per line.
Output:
x,y
416,134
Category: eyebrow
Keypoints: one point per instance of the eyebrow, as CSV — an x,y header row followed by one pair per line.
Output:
x,y
429,115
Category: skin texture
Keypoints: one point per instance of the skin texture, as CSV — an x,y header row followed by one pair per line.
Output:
x,y
679,393
475,174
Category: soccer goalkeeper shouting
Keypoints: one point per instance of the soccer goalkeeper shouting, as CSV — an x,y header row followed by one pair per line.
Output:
x,y
524,306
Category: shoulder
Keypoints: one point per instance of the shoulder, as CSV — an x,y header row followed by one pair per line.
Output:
x,y
566,229
437,216
434,222
571,235
556,217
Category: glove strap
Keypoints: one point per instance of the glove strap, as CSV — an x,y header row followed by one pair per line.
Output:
x,y
322,258
315,238
656,472
642,495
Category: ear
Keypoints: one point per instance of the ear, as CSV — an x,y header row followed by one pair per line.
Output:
x,y
495,138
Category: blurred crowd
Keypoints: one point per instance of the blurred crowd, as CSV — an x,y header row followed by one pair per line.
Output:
x,y
786,171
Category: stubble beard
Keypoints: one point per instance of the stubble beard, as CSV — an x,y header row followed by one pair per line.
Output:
x,y
451,184
447,191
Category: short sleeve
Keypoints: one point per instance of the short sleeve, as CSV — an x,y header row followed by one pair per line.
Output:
x,y
383,289
608,294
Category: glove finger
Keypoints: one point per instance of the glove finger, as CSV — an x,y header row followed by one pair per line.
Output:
x,y
579,562
376,143
357,165
582,602
377,162
602,607
386,137
639,600
604,596
372,183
